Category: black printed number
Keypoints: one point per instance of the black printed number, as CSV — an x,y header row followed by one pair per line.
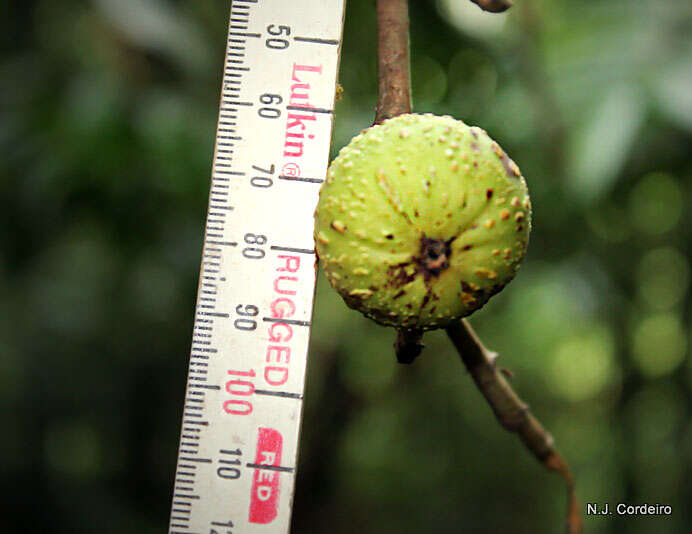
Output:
x,y
254,252
262,181
277,43
245,311
269,99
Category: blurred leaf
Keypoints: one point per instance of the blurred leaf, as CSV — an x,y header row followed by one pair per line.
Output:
x,y
656,203
673,91
428,81
603,143
659,344
154,25
583,365
663,277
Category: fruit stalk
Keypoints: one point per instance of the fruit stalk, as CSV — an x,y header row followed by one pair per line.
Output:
x,y
394,88
408,345
394,81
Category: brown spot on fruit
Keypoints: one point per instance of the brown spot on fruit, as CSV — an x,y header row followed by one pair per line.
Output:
x,y
468,300
511,167
426,298
338,226
504,215
469,286
399,276
482,272
361,293
488,194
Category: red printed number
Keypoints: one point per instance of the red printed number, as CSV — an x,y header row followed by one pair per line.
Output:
x,y
239,387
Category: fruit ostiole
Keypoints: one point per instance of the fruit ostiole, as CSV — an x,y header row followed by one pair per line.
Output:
x,y
420,221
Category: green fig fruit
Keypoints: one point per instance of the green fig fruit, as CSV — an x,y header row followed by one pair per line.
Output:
x,y
421,220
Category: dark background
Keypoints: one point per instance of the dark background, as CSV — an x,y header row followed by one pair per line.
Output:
x,y
107,122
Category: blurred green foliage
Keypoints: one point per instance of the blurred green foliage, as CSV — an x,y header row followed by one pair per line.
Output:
x,y
106,132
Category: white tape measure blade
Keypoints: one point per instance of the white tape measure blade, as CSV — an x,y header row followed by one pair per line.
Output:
x,y
243,404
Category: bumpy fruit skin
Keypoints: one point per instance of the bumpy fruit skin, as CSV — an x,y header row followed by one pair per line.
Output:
x,y
421,220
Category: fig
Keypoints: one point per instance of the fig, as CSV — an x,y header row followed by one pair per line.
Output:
x,y
421,219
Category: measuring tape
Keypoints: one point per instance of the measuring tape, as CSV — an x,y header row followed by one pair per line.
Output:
x,y
243,402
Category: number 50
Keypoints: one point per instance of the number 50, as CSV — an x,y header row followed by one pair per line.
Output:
x,y
275,42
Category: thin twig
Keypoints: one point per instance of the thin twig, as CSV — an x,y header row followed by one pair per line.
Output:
x,y
493,6
394,80
511,411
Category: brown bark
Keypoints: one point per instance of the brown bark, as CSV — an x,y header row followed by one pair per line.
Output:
x,y
394,81
493,6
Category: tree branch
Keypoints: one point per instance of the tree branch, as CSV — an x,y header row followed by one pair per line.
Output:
x,y
394,80
493,6
394,88
511,411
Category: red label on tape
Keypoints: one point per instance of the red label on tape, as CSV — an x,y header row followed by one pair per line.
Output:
x,y
264,500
